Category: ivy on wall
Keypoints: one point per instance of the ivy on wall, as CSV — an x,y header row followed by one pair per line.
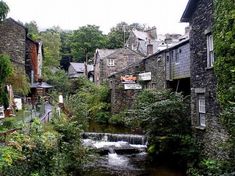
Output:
x,y
224,36
224,39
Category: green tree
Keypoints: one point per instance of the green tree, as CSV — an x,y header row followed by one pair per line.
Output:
x,y
66,53
6,70
4,9
165,119
89,101
85,41
120,33
59,79
52,44
19,81
33,31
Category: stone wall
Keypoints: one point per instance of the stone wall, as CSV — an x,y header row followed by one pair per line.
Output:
x,y
203,81
13,41
122,99
123,57
156,65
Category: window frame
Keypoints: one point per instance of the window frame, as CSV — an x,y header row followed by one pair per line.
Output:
x,y
177,56
201,103
210,50
110,62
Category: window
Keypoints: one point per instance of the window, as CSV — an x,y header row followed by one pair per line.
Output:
x,y
110,62
201,110
177,56
130,60
167,58
210,51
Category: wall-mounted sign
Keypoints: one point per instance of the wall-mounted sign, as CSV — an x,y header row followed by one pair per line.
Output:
x,y
128,79
2,115
145,76
132,86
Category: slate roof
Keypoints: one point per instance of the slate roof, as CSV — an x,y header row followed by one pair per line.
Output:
x,y
80,68
40,85
141,35
189,10
105,52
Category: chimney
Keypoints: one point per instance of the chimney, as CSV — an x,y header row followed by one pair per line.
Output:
x,y
187,30
149,49
152,32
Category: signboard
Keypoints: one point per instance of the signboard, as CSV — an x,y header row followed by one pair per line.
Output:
x,y
128,79
145,76
2,115
18,103
39,91
132,86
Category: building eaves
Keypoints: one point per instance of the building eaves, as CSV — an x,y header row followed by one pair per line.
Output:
x,y
191,5
182,42
80,67
125,68
105,52
17,23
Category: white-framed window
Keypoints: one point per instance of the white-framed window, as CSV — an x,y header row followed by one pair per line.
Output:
x,y
177,56
202,110
110,62
210,51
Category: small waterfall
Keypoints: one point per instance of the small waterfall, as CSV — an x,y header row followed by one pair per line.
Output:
x,y
109,137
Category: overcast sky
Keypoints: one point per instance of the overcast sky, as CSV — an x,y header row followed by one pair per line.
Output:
x,y
71,14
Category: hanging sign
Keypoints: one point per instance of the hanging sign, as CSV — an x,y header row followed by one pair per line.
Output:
x,y
132,86
128,79
145,76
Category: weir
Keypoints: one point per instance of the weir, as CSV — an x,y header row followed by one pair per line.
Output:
x,y
119,143
109,137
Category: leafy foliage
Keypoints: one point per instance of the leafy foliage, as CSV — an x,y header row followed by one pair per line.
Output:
x,y
54,149
4,9
19,82
89,101
224,34
164,116
6,70
120,33
59,79
33,31
85,41
52,43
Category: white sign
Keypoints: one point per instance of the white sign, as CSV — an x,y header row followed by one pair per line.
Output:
x,y
145,76
18,103
132,86
2,115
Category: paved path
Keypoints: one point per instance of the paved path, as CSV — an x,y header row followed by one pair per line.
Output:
x,y
47,114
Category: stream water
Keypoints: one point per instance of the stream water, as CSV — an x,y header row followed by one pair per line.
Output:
x,y
122,155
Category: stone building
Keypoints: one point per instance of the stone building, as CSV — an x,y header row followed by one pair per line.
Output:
x,y
153,75
76,70
25,53
148,42
124,87
13,42
153,72
204,106
107,62
144,42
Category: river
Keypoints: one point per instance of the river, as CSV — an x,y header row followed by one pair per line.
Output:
x,y
123,155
